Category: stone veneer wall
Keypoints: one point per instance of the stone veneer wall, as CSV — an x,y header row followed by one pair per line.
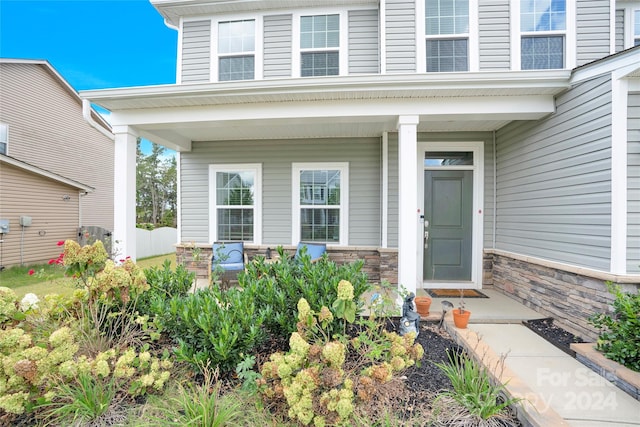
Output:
x,y
379,263
570,297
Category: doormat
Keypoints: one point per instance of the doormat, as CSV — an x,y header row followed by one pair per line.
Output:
x,y
455,293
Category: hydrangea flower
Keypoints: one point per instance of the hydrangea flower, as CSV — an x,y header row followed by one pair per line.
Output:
x,y
345,290
29,302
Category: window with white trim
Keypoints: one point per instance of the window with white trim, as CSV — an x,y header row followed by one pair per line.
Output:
x,y
4,138
320,195
235,200
236,50
636,27
543,31
447,35
320,45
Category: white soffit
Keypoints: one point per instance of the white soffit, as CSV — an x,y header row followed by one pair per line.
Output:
x,y
376,87
173,10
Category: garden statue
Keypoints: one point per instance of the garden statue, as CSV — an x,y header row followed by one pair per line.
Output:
x,y
446,306
410,321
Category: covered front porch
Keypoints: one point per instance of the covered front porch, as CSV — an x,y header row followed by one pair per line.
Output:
x,y
388,123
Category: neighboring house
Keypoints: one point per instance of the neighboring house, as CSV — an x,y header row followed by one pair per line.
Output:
x,y
447,143
56,164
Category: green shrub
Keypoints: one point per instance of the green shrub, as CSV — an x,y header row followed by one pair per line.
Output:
x,y
619,338
215,326
277,287
164,284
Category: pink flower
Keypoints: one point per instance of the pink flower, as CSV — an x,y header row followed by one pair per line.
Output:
x,y
52,261
60,243
32,272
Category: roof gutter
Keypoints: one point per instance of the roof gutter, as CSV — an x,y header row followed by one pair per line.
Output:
x,y
86,113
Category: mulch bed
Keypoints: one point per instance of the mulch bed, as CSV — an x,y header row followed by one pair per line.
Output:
x,y
554,334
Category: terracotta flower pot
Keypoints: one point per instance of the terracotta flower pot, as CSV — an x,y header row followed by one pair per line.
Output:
x,y
461,318
423,304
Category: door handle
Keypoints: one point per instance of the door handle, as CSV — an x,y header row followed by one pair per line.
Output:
x,y
426,239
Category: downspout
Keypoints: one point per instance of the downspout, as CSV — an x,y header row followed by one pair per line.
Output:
x,y
495,192
86,114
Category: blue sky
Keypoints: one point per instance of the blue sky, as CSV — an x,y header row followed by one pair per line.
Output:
x,y
93,44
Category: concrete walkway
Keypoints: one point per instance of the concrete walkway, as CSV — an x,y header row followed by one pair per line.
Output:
x,y
558,390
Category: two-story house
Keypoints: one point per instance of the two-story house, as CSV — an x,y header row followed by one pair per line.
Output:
x,y
56,165
450,143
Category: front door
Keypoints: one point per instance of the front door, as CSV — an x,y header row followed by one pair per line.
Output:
x,y
448,200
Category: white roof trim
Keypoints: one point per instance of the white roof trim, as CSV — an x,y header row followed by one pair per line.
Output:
x,y
626,60
45,173
371,87
174,10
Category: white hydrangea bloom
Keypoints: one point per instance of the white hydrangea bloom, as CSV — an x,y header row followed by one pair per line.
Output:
x,y
30,301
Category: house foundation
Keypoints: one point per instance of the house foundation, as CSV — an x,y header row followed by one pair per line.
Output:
x,y
568,294
379,263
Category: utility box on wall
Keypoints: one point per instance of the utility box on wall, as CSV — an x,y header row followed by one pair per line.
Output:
x,y
4,226
25,221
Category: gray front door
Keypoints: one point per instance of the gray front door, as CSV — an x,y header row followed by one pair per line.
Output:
x,y
448,200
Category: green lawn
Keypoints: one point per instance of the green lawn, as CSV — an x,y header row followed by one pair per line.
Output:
x,y
49,279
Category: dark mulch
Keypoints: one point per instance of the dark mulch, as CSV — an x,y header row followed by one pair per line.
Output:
x,y
554,334
436,343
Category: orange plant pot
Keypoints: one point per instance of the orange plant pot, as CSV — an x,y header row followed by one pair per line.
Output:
x,y
422,305
461,319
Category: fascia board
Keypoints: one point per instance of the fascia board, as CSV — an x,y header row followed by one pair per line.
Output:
x,y
368,86
45,173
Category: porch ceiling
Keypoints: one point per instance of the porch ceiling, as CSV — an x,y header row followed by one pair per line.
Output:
x,y
176,115
305,128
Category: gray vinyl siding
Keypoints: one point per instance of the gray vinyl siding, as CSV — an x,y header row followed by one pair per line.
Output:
x,y
392,213
277,46
364,43
276,157
592,30
633,188
400,40
196,51
619,30
494,30
554,180
47,130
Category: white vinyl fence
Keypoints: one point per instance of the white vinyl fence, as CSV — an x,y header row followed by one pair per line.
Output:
x,y
155,242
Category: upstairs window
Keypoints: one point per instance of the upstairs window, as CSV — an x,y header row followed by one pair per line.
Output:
x,y
236,50
447,35
4,138
543,28
636,27
320,45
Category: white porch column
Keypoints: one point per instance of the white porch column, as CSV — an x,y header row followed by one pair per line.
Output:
x,y
408,215
124,188
619,117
